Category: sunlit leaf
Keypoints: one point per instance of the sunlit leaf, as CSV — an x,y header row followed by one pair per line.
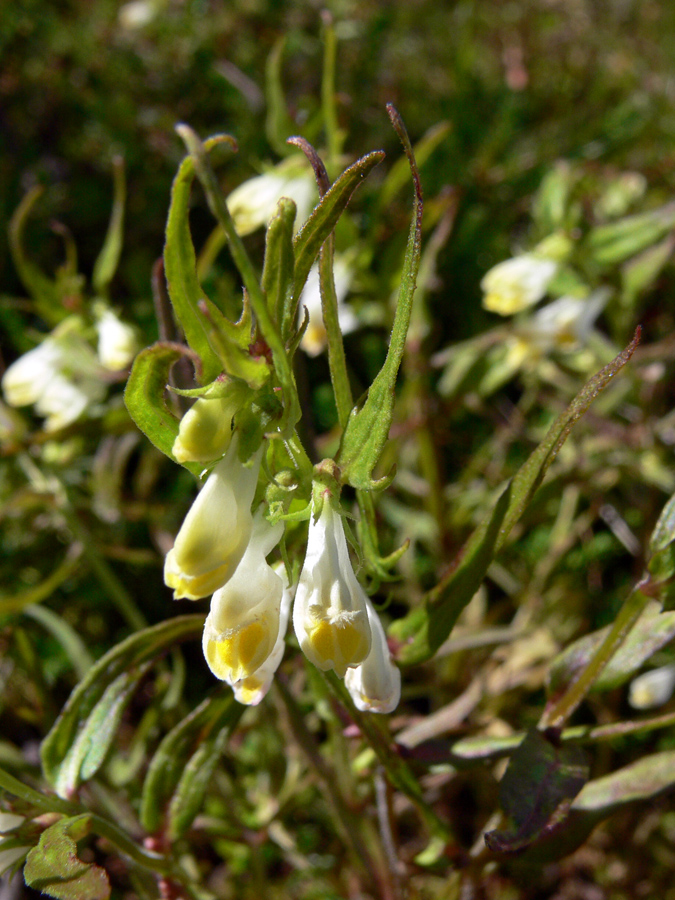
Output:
x,y
53,866
74,749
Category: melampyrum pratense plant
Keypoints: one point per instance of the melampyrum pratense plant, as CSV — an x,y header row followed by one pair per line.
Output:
x,y
276,535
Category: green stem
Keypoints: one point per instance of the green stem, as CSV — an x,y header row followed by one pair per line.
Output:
x,y
397,769
628,615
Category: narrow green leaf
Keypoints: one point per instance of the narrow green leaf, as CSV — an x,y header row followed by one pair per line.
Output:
x,y
323,219
537,790
425,628
195,778
172,755
617,241
181,267
87,753
278,124
145,400
640,273
279,263
73,645
54,868
367,428
652,631
134,652
16,603
43,290
642,780
109,257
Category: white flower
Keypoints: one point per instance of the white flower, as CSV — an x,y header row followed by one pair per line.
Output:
x,y
329,616
8,822
254,202
242,628
117,344
314,339
251,689
216,530
563,324
653,688
205,431
137,14
517,283
61,377
375,685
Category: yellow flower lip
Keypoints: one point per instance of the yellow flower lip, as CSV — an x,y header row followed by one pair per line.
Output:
x,y
330,616
243,625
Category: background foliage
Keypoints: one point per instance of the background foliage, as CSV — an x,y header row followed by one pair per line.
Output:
x,y
87,517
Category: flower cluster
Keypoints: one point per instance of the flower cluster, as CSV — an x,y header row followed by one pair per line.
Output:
x,y
222,549
65,376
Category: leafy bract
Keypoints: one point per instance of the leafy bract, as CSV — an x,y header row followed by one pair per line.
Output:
x,y
145,400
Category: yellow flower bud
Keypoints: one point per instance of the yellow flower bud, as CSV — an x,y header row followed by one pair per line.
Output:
x,y
205,431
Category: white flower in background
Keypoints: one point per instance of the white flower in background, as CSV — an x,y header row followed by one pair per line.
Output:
x,y
653,688
330,616
254,202
517,283
216,530
205,431
61,377
242,627
8,822
375,685
564,324
251,689
117,343
137,14
314,339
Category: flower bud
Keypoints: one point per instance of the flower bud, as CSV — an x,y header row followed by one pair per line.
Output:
x,y
375,685
329,616
216,530
117,344
242,628
251,689
205,431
